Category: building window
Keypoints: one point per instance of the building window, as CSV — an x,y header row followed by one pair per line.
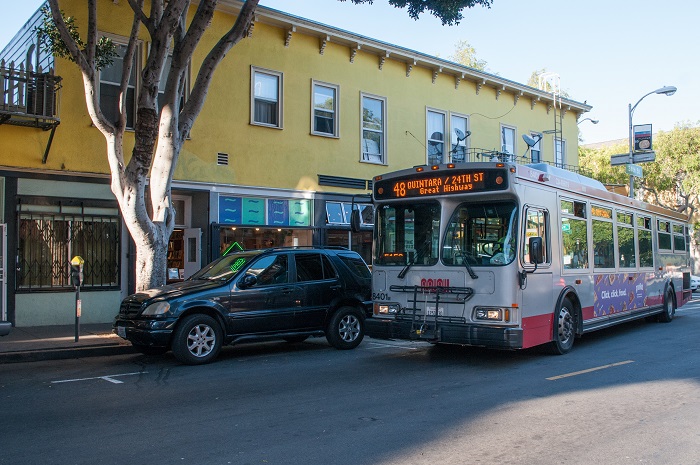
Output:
x,y
48,242
266,95
373,129
164,80
508,140
110,77
560,152
339,213
459,133
535,150
436,137
324,117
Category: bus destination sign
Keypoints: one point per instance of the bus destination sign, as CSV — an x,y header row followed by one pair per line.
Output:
x,y
430,184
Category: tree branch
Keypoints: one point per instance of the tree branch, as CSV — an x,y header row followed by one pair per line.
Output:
x,y
199,91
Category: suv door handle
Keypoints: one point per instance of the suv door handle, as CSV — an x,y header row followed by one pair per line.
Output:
x,y
335,287
286,290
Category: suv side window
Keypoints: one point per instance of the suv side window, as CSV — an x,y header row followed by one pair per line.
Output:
x,y
356,265
272,269
313,267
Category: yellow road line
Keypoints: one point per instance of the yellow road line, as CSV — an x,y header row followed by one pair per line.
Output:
x,y
576,373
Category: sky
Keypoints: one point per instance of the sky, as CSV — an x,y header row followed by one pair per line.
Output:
x,y
607,53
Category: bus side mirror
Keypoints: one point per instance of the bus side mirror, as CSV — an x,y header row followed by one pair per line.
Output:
x,y
355,221
536,253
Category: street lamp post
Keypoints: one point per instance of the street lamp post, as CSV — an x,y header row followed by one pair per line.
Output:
x,y
666,90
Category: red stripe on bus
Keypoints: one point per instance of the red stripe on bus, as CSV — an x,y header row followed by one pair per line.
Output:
x,y
537,330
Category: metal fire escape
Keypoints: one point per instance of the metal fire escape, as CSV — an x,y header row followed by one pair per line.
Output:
x,y
550,82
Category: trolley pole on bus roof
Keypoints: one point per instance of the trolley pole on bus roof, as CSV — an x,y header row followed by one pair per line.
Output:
x,y
666,90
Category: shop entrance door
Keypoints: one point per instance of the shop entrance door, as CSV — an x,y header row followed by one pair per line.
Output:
x,y
193,251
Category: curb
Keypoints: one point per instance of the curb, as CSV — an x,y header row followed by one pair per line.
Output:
x,y
66,353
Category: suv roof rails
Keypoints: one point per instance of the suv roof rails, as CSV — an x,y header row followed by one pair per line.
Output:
x,y
296,247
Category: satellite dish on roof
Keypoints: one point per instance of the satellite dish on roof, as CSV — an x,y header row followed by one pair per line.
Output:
x,y
529,140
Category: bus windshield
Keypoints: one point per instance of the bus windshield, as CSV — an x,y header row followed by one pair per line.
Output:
x,y
481,234
407,234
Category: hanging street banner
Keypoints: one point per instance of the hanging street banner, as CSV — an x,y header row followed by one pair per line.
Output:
x,y
642,137
624,158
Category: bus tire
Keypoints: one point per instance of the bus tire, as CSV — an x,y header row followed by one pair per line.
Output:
x,y
669,308
564,328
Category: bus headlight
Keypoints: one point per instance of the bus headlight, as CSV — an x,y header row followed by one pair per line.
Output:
x,y
492,313
386,309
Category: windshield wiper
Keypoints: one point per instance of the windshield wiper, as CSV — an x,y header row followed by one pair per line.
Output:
x,y
469,267
422,250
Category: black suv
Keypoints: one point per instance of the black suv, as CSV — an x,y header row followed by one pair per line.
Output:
x,y
280,293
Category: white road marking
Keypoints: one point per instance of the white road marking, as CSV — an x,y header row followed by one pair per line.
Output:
x,y
109,378
576,373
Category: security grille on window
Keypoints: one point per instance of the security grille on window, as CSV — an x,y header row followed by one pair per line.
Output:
x,y
48,241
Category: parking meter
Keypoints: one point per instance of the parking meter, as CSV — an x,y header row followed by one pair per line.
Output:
x,y
76,271
76,276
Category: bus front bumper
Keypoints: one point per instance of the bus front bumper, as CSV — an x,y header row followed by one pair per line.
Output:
x,y
495,337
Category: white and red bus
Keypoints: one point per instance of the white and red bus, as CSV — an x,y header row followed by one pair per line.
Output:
x,y
514,256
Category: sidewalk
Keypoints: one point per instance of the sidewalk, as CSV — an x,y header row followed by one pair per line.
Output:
x,y
31,344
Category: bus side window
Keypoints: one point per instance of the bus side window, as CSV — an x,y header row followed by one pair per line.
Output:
x,y
535,226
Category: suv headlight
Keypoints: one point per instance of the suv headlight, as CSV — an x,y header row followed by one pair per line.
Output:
x,y
492,313
158,308
386,309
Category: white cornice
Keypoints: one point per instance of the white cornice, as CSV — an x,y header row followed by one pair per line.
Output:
x,y
365,44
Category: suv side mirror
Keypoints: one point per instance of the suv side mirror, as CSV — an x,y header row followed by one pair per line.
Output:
x,y
355,221
249,280
536,253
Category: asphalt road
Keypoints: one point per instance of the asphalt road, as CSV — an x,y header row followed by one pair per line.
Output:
x,y
627,395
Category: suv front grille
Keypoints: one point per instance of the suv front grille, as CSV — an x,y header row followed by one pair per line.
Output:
x,y
129,309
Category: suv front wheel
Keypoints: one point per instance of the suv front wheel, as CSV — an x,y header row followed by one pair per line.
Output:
x,y
346,328
197,340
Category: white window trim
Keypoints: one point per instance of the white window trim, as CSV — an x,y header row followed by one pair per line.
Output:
x,y
336,109
557,163
280,97
138,55
445,131
451,130
383,150
515,138
187,214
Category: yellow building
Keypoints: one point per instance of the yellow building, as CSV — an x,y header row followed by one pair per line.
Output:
x,y
299,117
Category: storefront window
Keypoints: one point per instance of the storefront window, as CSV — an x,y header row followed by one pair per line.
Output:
x,y
239,238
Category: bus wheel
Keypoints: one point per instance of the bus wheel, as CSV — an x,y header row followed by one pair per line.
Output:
x,y
564,328
669,309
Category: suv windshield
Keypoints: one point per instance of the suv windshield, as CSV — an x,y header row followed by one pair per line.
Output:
x,y
225,267
407,234
481,234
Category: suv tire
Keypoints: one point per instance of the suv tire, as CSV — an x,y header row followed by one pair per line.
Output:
x,y
346,328
197,340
